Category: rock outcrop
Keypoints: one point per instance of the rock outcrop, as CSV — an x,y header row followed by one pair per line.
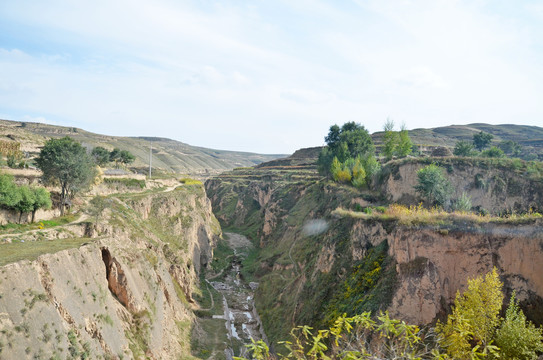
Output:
x,y
123,294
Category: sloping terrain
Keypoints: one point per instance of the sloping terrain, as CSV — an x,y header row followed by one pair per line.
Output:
x,y
320,252
168,155
120,286
529,137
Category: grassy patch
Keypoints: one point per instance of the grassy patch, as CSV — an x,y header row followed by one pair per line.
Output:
x,y
128,182
10,253
11,228
189,181
418,215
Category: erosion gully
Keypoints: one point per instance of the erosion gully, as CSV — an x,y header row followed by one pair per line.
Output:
x,y
241,318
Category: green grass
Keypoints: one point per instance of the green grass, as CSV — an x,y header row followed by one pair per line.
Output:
x,y
19,228
10,253
134,183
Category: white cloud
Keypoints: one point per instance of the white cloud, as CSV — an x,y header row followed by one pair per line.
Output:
x,y
221,75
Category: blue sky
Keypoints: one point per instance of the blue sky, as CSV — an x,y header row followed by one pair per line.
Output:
x,y
269,76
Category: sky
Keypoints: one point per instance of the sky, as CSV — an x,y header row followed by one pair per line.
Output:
x,y
269,76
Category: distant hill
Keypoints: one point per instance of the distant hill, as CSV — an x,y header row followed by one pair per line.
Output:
x,y
169,156
529,137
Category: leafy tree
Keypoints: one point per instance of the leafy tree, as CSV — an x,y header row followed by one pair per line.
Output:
x,y
517,338
100,155
463,148
405,145
371,167
470,328
390,139
347,142
335,168
493,152
115,156
26,201
42,200
9,194
433,185
510,148
358,174
481,140
126,157
66,161
97,206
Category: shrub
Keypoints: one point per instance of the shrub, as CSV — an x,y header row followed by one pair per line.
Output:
x,y
463,203
433,185
517,338
493,152
463,148
475,317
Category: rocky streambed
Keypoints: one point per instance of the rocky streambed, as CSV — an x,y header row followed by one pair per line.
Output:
x,y
242,322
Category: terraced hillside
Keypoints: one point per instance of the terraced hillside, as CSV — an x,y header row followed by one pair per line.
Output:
x,y
529,137
168,155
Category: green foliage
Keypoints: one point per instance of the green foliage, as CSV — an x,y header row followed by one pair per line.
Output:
x,y
517,338
359,174
433,185
66,161
9,194
349,141
128,182
100,156
463,204
405,145
470,328
481,140
463,148
27,200
372,168
350,338
23,198
493,152
335,168
510,148
358,292
390,140
126,157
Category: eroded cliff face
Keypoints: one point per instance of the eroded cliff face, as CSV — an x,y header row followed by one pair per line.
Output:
x,y
491,186
126,293
313,263
433,263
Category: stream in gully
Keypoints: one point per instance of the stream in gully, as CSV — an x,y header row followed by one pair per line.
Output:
x,y
241,318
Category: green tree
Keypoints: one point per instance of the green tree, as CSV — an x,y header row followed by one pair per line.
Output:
x,y
517,338
9,194
126,157
97,206
493,152
390,139
433,185
463,148
26,201
405,145
115,156
371,167
64,160
358,174
42,200
481,140
510,148
335,168
347,142
100,155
